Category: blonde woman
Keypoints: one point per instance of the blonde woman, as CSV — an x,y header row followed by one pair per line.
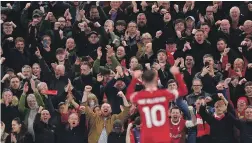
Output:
x,y
9,108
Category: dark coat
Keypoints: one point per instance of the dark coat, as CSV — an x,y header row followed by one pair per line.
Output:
x,y
44,133
114,137
76,135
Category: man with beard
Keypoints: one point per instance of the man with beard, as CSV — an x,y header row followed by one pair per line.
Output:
x,y
177,126
142,23
101,125
225,53
15,86
230,35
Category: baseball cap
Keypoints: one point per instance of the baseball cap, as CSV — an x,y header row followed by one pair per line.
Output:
x,y
91,33
37,13
170,41
191,17
117,126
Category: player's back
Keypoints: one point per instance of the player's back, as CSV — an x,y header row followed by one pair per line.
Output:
x,y
153,109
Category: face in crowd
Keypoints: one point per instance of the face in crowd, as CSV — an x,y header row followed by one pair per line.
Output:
x,y
175,115
106,110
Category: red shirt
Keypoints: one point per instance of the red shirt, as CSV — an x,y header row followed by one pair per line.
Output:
x,y
177,131
153,109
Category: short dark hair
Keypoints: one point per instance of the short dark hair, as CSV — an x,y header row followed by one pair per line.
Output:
x,y
171,81
203,24
14,77
148,76
45,36
199,30
179,21
60,51
175,108
221,39
249,83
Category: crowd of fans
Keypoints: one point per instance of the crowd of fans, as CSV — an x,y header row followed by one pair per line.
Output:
x,y
66,68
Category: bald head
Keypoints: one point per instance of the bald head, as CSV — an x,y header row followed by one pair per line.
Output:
x,y
225,26
70,43
60,70
247,26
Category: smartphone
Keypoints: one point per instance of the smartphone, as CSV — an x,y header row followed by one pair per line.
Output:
x,y
206,64
45,42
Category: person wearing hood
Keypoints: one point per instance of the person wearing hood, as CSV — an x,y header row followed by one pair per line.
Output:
x,y
34,101
117,135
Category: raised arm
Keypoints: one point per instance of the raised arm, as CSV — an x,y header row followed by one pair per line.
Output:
x,y
182,89
128,133
125,113
37,94
131,88
21,105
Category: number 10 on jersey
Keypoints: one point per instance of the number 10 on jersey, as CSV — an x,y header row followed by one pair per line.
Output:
x,y
151,116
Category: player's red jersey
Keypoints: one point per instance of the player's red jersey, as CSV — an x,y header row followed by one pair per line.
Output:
x,y
153,109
